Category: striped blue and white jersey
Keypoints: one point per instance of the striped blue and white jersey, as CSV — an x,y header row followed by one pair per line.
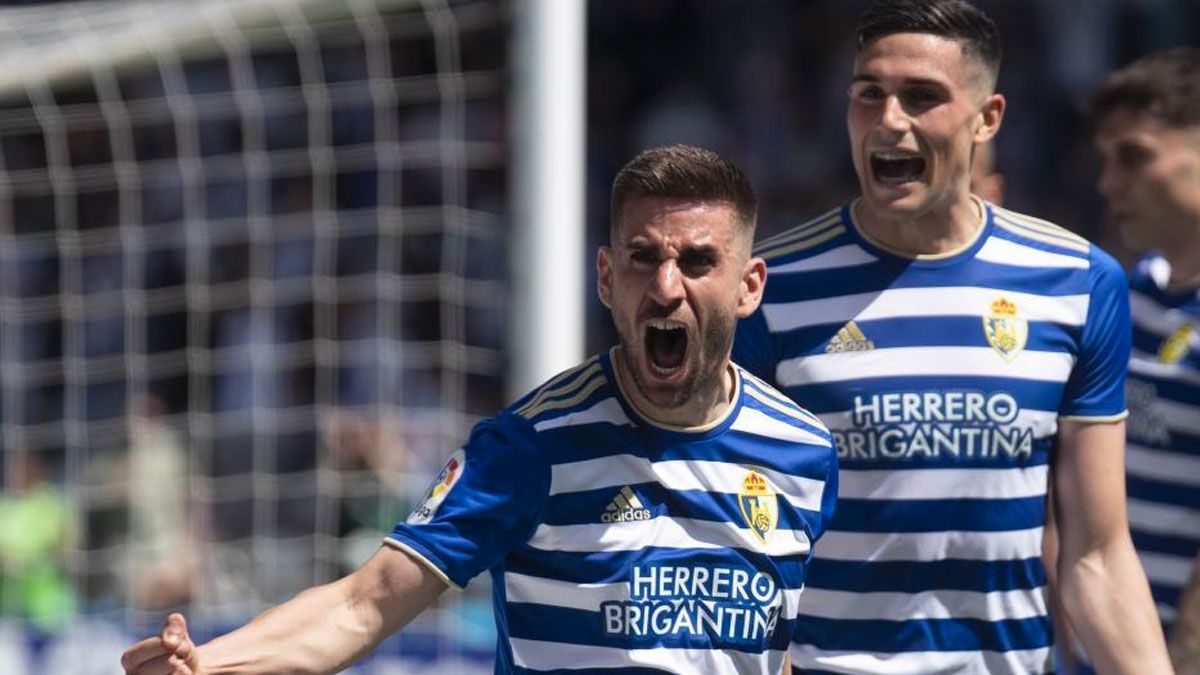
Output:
x,y
614,542
1163,433
942,380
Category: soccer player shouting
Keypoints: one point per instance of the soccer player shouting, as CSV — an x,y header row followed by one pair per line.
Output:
x,y
652,510
954,349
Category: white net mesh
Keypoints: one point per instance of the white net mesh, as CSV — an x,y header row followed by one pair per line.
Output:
x,y
252,279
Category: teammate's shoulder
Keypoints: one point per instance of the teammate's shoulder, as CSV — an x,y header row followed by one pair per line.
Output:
x,y
762,396
811,237
578,395
1040,234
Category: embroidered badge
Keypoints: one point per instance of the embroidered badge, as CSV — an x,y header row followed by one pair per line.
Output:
x,y
760,506
1005,331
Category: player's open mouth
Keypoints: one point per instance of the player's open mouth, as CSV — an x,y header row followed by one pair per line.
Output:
x,y
897,168
666,345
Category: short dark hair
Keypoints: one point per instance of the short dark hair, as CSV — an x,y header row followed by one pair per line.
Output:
x,y
953,19
685,173
1165,84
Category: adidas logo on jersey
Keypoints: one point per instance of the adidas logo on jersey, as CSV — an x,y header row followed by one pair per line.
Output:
x,y
625,506
849,338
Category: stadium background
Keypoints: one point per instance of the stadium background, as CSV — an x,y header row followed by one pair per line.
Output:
x,y
253,291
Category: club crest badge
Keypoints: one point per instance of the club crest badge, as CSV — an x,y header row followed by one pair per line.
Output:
x,y
760,505
1176,346
451,471
1005,331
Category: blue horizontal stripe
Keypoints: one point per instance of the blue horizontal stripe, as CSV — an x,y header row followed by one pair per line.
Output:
x,y
939,515
574,508
1178,545
614,566
1166,594
922,331
1162,492
940,635
839,397
548,623
982,576
897,273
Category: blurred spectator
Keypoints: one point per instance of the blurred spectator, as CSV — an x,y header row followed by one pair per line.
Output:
x,y
37,529
162,545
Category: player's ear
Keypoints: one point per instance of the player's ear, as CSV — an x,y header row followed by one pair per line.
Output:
x,y
604,275
991,113
754,279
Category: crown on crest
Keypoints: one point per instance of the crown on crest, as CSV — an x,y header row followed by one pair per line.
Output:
x,y
1002,307
754,482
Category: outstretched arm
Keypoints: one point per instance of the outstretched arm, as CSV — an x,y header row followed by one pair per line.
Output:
x,y
1185,637
322,630
1100,578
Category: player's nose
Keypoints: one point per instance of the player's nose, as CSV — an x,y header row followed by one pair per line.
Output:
x,y
666,286
893,116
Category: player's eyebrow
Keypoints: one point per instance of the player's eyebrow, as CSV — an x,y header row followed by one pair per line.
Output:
x,y
908,81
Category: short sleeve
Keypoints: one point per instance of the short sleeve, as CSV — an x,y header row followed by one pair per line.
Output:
x,y
487,499
829,496
1096,388
753,348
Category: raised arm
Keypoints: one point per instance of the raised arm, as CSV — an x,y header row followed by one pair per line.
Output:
x,y
322,630
1099,576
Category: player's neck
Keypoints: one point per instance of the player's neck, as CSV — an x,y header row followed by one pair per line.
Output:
x,y
940,231
706,406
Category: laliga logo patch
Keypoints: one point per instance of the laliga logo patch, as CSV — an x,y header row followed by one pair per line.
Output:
x,y
760,506
1175,347
1005,332
451,471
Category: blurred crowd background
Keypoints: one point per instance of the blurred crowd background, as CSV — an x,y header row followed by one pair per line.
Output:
x,y
249,301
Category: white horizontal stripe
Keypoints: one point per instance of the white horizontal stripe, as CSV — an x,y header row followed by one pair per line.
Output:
x,y
1042,423
1172,570
609,410
842,256
621,470
756,422
994,606
930,546
1163,465
1163,519
1179,416
541,591
1008,252
922,663
942,483
1148,366
1154,318
917,361
538,655
893,303
666,532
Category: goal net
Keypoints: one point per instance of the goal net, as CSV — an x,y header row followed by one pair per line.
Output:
x,y
253,279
